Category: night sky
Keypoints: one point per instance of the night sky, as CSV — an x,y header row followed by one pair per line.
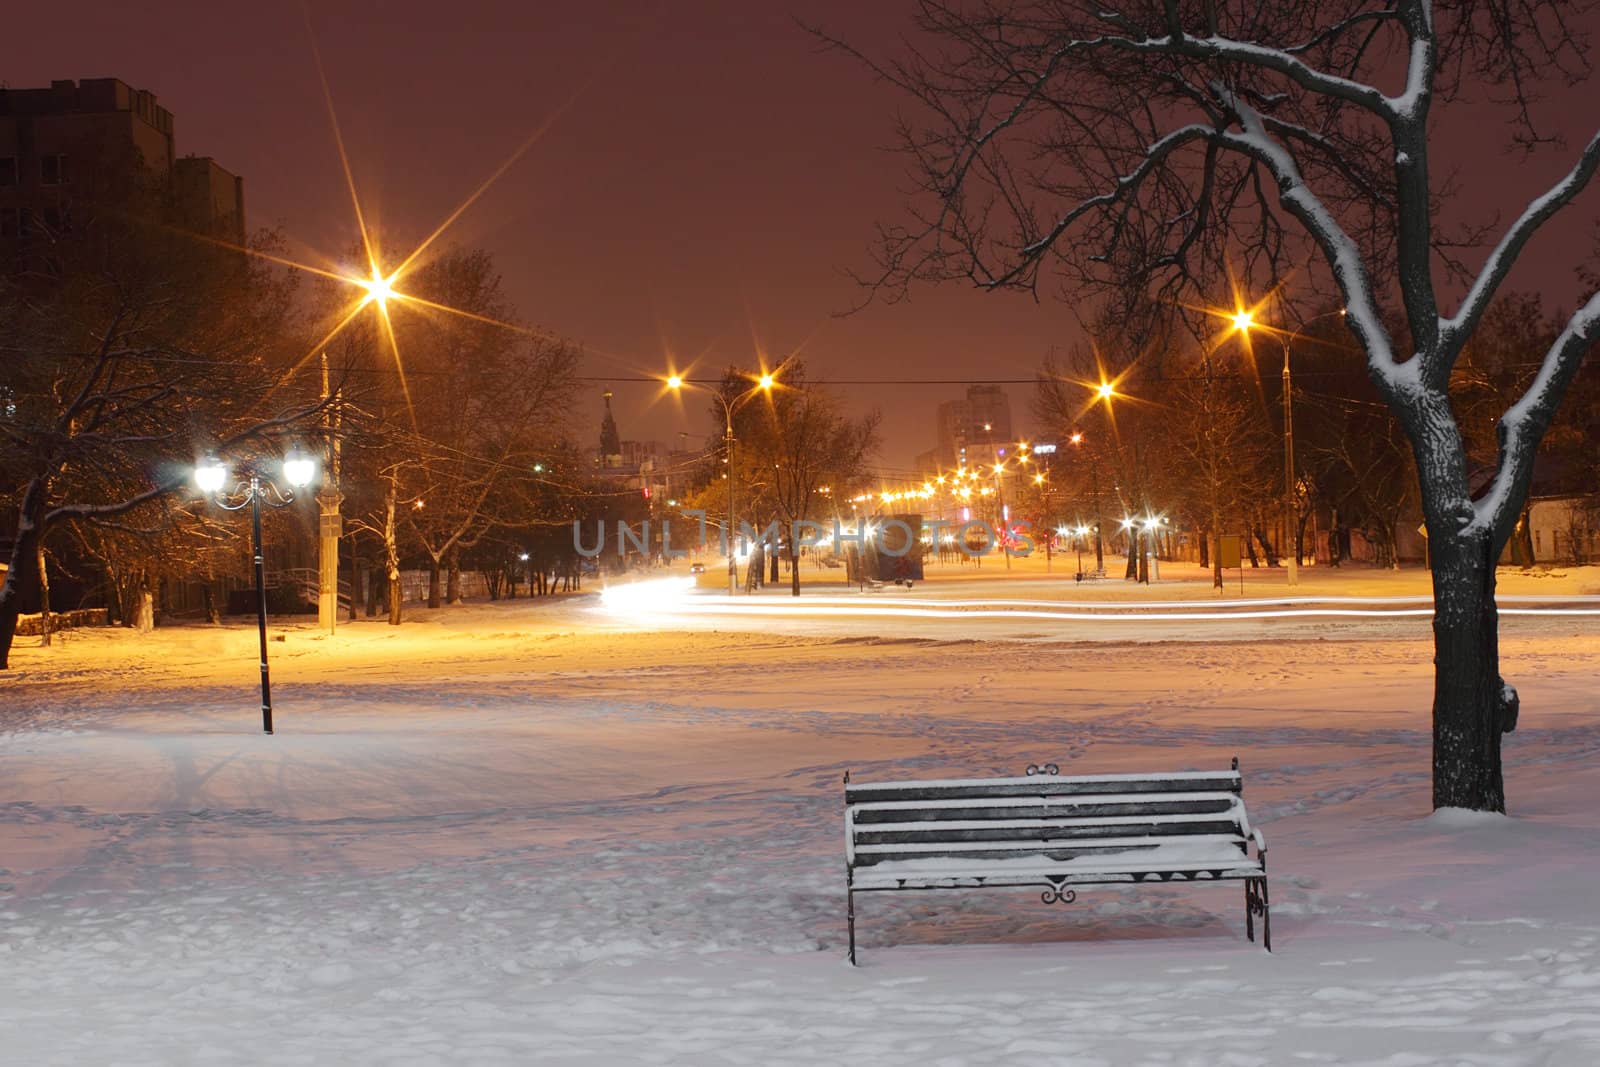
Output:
x,y
712,180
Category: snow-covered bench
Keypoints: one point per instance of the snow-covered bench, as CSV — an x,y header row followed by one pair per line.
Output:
x,y
1053,832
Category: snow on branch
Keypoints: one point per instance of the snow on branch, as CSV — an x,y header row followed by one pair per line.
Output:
x,y
1454,332
1341,252
1524,423
1263,57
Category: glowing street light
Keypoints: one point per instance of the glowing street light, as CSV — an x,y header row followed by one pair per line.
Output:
x,y
1244,321
763,386
211,475
379,288
299,469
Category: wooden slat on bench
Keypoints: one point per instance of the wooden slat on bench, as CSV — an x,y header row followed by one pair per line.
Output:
x,y
1044,871
1042,829
1044,785
901,811
1221,842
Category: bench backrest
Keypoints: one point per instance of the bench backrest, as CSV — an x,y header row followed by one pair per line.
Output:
x,y
1042,816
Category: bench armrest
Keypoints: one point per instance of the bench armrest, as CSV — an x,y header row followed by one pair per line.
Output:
x,y
1261,842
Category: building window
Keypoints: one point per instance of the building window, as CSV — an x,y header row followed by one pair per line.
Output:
x,y
8,170
8,222
58,220
53,170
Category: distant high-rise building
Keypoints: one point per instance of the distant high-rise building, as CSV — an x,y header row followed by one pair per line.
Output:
x,y
972,429
75,140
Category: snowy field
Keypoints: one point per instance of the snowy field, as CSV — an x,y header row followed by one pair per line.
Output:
x,y
539,833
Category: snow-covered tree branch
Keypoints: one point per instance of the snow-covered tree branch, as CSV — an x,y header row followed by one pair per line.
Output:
x,y
1133,146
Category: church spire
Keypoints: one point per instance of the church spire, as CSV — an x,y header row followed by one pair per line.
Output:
x,y
610,443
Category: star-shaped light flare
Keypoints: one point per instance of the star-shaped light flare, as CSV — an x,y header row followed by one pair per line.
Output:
x,y
379,287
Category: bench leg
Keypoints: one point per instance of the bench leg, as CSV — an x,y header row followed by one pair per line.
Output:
x,y
1266,918
1256,903
850,921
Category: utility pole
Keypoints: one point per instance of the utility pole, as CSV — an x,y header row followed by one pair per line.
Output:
x,y
329,522
1291,511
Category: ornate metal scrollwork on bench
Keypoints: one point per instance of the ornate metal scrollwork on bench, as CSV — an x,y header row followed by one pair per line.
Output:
x,y
1058,894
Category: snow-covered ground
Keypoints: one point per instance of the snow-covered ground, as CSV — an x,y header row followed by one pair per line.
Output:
x,y
539,832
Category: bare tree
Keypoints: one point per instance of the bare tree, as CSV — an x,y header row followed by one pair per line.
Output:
x,y
460,401
811,446
128,349
1111,140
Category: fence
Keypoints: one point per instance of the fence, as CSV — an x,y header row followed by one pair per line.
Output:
x,y
33,625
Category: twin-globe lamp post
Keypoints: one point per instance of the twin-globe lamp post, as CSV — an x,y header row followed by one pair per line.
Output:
x,y
1243,322
762,387
252,488
1105,393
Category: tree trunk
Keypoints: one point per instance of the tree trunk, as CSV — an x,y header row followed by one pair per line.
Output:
x,y
358,578
146,620
46,624
391,550
1522,541
213,613
1266,546
794,574
434,585
394,596
1472,704
24,558
453,589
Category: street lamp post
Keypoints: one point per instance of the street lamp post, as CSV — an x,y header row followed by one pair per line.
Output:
x,y
1005,515
1291,510
1104,393
210,475
1244,321
763,385
1152,527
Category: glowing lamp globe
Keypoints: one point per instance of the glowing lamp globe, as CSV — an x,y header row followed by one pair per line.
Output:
x,y
210,475
299,469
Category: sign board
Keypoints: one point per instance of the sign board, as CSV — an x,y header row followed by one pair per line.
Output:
x,y
1043,450
1228,550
